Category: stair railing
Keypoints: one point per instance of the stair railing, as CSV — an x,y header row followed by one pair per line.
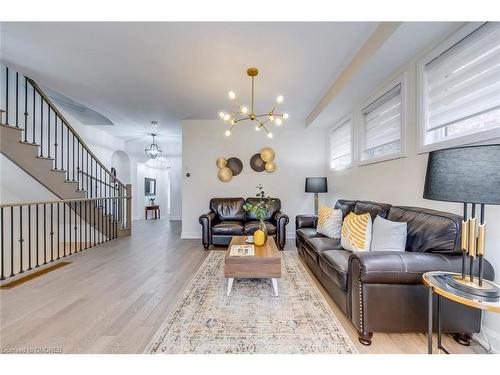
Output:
x,y
27,107
35,234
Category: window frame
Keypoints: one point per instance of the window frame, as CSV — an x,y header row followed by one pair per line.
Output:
x,y
338,124
422,148
402,80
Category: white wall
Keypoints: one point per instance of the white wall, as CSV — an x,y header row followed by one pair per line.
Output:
x,y
299,154
401,182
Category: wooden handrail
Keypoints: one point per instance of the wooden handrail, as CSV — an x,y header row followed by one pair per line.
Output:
x,y
63,119
17,204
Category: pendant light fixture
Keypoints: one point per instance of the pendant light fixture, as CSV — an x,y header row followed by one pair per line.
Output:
x,y
242,113
153,150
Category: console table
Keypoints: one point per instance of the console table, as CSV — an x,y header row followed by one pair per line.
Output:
x,y
155,208
436,283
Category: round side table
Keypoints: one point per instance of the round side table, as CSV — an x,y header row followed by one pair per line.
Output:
x,y
436,282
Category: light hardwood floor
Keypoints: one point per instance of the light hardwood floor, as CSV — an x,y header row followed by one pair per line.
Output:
x,y
113,298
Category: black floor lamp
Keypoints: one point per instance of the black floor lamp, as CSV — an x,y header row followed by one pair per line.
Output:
x,y
316,185
469,175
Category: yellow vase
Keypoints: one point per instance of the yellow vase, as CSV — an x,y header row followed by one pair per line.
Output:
x,y
259,238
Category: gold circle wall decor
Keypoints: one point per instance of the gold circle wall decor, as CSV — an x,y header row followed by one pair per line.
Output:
x,y
270,167
221,163
225,174
267,154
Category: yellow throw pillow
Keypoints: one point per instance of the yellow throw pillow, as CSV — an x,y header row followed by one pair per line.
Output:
x,y
356,232
329,222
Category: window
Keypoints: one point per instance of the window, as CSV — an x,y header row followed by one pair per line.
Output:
x,y
382,123
460,89
341,144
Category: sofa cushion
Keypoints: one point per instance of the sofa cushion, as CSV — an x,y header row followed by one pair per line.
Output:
x,y
316,245
252,226
304,234
334,263
429,230
228,208
373,208
228,227
273,208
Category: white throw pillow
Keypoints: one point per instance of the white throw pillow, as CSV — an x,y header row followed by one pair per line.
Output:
x,y
329,222
388,235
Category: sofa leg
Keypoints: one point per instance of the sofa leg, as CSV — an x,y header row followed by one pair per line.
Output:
x,y
206,247
462,338
365,338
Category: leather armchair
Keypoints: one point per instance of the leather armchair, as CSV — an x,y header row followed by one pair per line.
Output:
x,y
227,218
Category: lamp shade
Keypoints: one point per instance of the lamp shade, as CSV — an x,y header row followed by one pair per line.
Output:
x,y
464,174
316,185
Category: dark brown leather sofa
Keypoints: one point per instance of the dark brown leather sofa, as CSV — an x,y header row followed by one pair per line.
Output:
x,y
227,218
382,291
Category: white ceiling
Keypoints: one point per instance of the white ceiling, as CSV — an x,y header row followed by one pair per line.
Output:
x,y
133,73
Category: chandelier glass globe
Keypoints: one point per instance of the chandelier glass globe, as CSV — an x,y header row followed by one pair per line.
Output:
x,y
152,150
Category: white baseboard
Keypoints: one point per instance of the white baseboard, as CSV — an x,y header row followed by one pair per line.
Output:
x,y
175,218
492,338
190,235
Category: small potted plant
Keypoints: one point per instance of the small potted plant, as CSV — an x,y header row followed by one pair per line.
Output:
x,y
152,201
260,210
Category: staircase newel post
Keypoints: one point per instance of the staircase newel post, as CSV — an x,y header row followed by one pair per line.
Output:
x,y
129,209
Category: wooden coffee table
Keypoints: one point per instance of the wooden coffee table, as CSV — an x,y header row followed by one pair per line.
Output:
x,y
265,264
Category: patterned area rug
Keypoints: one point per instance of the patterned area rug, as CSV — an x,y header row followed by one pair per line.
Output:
x,y
252,319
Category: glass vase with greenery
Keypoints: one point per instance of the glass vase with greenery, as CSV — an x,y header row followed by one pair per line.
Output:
x,y
261,208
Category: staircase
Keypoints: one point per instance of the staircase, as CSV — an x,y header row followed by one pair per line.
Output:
x,y
93,206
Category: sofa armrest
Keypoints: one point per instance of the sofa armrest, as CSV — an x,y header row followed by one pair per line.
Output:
x,y
394,267
281,220
207,221
207,218
306,221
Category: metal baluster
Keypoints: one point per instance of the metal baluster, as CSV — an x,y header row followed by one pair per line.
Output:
x,y
81,214
85,223
62,144
58,231
48,131
12,241
75,229
51,232
70,229
44,233
29,237
21,240
77,162
6,95
2,250
73,151
17,99
41,126
55,141
34,116
64,229
25,109
36,231
67,155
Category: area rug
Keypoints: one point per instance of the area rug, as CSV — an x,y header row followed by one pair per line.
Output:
x,y
252,319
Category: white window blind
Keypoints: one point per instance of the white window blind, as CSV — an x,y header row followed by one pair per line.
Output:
x,y
462,87
381,134
341,145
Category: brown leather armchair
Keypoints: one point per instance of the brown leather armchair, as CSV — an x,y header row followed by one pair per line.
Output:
x,y
382,291
227,218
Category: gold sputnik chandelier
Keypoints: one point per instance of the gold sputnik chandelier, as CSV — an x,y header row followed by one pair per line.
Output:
x,y
243,113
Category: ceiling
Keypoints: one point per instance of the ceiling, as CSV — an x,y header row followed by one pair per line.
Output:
x,y
134,72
